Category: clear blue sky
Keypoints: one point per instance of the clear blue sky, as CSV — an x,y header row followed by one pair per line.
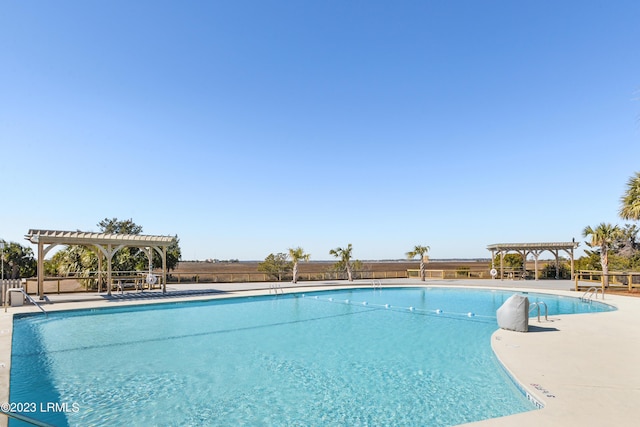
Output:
x,y
249,127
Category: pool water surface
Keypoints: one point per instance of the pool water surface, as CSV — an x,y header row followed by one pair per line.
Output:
x,y
401,356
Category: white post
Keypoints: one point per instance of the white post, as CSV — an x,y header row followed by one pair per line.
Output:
x,y
2,256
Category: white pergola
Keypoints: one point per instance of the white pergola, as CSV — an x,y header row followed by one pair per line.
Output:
x,y
534,249
106,243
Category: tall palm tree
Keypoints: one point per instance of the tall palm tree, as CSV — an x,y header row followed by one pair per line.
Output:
x,y
603,236
419,250
345,258
296,256
630,208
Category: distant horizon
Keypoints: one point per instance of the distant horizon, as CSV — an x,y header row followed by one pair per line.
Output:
x,y
417,260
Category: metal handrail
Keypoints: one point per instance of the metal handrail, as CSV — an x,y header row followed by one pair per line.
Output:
x,y
590,293
275,286
537,305
376,284
31,300
25,419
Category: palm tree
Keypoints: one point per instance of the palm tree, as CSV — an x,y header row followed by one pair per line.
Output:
x,y
297,255
20,260
419,250
603,236
345,258
630,208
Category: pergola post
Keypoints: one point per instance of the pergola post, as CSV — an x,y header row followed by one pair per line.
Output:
x,y
164,269
109,257
99,271
40,270
493,257
557,255
524,254
536,255
42,252
572,265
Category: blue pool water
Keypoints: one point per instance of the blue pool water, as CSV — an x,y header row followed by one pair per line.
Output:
x,y
411,356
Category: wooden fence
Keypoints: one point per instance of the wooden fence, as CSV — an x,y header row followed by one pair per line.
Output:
x,y
617,279
263,277
207,277
450,274
88,282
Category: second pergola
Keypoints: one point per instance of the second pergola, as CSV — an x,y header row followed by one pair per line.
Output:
x,y
534,249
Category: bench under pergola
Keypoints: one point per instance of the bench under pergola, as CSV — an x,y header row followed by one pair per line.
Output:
x,y
106,243
534,249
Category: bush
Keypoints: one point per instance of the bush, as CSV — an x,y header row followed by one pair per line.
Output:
x,y
462,272
549,271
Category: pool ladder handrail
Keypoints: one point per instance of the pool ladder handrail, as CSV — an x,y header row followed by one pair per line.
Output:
x,y
375,283
537,305
591,293
275,286
26,295
25,419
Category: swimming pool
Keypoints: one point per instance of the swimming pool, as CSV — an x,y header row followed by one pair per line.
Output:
x,y
410,356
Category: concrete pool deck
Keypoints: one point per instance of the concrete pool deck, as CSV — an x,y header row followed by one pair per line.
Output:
x,y
581,367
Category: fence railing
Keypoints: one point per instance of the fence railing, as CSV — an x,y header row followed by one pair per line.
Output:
x,y
207,277
88,282
449,274
617,279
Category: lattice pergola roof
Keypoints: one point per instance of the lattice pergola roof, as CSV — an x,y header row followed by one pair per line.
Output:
x,y
91,238
532,246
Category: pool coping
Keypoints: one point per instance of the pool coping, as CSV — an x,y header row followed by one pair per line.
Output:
x,y
579,366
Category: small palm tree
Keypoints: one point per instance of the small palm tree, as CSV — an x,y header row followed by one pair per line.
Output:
x,y
345,258
603,236
296,256
630,208
419,250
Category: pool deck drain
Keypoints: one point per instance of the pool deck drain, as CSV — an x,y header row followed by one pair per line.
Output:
x,y
581,367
